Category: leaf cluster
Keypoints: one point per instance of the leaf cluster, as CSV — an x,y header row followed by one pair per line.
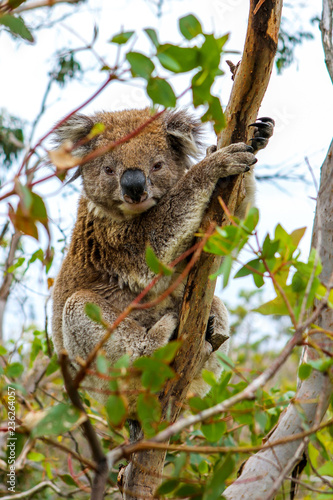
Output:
x,y
198,53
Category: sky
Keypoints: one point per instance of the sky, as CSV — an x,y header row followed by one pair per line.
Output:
x,y
300,101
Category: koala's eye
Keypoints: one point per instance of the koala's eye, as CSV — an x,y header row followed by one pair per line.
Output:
x,y
109,170
157,166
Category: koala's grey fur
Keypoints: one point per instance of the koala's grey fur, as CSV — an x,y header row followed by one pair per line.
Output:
x,y
145,191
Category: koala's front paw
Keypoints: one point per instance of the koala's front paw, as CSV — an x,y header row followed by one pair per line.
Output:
x,y
162,332
234,159
264,128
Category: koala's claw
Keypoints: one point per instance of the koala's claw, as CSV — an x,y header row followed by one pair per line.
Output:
x,y
214,338
210,326
264,128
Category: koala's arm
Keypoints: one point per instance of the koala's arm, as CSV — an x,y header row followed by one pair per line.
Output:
x,y
183,208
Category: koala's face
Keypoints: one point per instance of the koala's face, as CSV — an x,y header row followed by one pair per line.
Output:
x,y
135,175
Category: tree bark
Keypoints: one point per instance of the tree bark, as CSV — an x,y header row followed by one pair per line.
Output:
x,y
143,475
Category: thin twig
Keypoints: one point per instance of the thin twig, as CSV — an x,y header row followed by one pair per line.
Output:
x,y
101,474
41,486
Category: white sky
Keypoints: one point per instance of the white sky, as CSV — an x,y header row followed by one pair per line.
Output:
x,y
300,100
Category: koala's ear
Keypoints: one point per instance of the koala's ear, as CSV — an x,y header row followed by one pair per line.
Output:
x,y
184,133
76,128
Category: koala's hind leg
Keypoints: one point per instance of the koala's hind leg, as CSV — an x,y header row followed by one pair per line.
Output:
x,y
81,334
217,336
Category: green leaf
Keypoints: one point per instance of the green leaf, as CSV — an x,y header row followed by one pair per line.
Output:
x,y
225,361
97,129
93,312
326,469
155,264
168,486
304,371
52,366
261,418
149,412
297,235
214,431
3,350
188,491
102,364
14,369
160,92
17,264
198,404
203,467
209,377
141,65
13,4
215,113
210,52
222,470
59,419
298,282
167,352
67,479
276,306
201,85
190,27
151,33
322,365
257,267
122,38
35,456
225,270
252,219
154,372
178,59
116,407
269,248
16,26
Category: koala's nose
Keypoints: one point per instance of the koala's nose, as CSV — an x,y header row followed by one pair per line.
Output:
x,y
133,185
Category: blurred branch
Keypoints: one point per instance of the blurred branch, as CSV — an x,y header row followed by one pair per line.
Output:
x,y
41,486
101,474
326,27
8,278
44,3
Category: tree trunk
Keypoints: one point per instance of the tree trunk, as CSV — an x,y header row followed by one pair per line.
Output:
x,y
143,475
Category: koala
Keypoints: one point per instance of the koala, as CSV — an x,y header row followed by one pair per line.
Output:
x,y
144,191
